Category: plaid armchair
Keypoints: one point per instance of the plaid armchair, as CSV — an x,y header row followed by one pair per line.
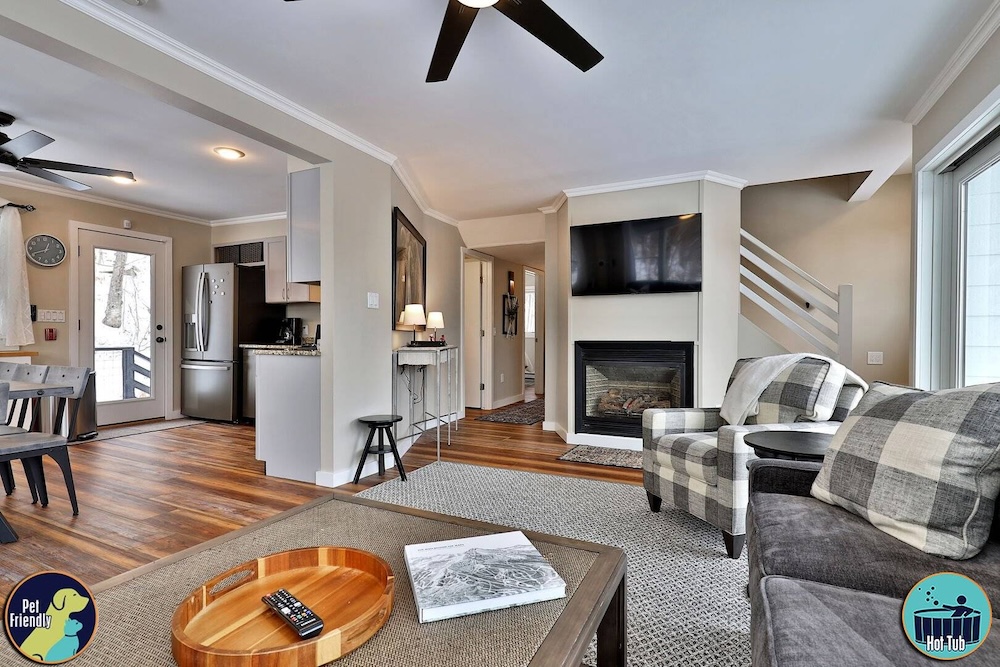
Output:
x,y
697,462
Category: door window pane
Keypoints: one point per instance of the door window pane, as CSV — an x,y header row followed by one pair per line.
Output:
x,y
982,279
123,329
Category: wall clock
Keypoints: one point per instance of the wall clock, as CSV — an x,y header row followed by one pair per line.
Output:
x,y
45,250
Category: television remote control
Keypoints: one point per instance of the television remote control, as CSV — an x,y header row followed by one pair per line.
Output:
x,y
301,618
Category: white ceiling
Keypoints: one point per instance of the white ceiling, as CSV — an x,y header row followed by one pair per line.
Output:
x,y
764,90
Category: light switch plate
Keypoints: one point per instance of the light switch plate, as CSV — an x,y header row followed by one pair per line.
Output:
x,y
373,300
875,359
51,315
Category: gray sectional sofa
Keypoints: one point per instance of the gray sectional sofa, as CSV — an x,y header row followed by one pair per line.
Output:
x,y
826,588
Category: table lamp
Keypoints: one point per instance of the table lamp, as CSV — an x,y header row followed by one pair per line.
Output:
x,y
435,320
413,316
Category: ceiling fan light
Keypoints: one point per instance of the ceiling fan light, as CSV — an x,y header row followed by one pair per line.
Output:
x,y
124,180
479,4
227,153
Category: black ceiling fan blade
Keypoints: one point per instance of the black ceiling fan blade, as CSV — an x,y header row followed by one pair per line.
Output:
x,y
55,178
458,20
538,18
78,168
26,144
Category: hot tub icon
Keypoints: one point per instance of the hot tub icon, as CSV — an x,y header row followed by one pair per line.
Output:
x,y
948,621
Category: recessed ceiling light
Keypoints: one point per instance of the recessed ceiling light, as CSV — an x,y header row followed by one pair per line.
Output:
x,y
229,153
124,180
479,4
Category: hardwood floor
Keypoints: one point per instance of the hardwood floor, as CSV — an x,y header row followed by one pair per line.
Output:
x,y
146,496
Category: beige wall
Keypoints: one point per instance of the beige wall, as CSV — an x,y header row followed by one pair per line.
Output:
x,y
50,287
866,244
978,81
508,351
507,230
250,231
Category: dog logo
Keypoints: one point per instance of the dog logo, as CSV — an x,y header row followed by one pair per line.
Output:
x,y
947,616
50,617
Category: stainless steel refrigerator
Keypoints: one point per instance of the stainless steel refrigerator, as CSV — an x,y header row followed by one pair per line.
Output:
x,y
223,307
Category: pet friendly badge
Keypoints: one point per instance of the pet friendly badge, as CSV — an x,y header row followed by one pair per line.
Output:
x,y
50,617
947,616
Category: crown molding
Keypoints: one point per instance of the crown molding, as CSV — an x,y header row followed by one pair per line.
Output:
x,y
438,215
165,44
250,219
980,34
418,195
711,176
95,199
556,205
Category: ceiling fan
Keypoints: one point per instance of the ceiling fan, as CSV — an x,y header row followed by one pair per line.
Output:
x,y
14,152
533,15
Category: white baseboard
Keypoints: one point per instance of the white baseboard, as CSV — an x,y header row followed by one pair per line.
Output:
x,y
610,441
504,402
554,426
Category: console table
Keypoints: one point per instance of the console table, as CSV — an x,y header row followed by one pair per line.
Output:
x,y
412,358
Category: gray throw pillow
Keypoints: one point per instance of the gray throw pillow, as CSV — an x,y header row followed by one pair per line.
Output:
x,y
921,466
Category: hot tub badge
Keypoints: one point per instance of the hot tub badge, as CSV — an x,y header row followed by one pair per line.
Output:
x,y
50,617
947,616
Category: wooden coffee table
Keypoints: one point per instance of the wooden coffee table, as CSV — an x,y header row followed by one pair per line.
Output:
x,y
595,606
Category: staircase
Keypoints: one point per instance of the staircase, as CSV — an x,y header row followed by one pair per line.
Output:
x,y
799,311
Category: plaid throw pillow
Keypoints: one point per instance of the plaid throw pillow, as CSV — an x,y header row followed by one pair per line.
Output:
x,y
921,466
791,396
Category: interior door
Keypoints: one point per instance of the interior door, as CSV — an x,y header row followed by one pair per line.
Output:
x,y
473,334
124,284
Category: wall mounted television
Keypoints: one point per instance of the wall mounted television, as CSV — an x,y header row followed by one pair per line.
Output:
x,y
637,257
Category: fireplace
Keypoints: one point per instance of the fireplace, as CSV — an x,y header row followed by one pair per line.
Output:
x,y
616,381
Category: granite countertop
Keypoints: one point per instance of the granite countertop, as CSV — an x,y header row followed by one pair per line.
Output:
x,y
278,349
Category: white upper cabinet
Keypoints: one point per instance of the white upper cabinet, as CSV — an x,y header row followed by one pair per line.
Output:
x,y
303,226
277,289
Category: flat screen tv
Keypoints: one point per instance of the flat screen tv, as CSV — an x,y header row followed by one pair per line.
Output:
x,y
637,257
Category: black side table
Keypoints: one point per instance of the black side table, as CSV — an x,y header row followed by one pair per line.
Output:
x,y
789,445
383,425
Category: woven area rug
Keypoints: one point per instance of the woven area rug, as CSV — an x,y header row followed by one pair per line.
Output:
x,y
122,431
604,456
524,413
686,604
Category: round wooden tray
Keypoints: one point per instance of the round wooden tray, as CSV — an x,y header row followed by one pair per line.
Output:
x,y
224,623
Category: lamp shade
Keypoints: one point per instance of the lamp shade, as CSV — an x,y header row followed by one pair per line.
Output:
x,y
435,320
413,315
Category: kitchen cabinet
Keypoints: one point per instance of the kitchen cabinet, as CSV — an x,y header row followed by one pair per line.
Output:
x,y
277,289
288,415
303,226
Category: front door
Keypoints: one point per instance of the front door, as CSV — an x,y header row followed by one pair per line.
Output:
x,y
124,282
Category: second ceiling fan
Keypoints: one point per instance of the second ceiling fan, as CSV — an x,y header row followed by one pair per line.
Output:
x,y
533,15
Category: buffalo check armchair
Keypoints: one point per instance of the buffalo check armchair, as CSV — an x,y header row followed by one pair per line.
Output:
x,y
697,462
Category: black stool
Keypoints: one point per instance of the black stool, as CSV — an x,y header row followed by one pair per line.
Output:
x,y
382,424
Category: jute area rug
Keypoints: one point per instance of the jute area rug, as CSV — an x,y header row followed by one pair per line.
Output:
x,y
686,604
107,433
524,413
604,456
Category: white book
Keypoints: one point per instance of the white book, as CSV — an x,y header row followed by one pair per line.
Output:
x,y
475,574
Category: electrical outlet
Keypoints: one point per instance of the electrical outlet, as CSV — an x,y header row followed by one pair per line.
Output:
x,y
373,300
875,359
501,378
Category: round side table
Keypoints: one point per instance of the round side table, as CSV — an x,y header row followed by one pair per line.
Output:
x,y
789,445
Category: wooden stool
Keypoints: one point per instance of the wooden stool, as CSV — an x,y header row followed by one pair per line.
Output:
x,y
382,424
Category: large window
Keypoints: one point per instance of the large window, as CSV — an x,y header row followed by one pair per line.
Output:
x,y
979,194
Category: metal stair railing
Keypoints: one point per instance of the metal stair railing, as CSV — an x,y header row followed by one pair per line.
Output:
x,y
817,314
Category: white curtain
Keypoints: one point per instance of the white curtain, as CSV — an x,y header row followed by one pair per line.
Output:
x,y
15,305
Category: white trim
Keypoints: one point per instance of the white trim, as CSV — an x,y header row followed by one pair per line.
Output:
x,y
173,414
640,184
504,402
249,219
417,193
487,246
609,441
73,306
438,215
555,205
980,34
167,45
95,199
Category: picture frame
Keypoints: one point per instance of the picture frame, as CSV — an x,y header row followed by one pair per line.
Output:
x,y
510,309
409,266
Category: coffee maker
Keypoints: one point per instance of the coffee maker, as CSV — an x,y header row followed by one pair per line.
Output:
x,y
290,331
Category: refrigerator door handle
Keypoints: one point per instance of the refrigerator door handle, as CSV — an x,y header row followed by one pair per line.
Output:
x,y
206,323
199,345
192,367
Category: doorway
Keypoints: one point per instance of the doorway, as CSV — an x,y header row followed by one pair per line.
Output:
x,y
124,321
477,329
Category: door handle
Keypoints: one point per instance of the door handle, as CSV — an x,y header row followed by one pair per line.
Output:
x,y
189,367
